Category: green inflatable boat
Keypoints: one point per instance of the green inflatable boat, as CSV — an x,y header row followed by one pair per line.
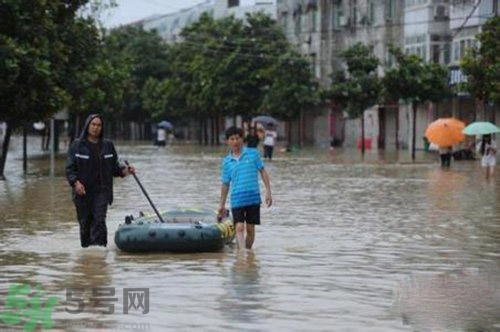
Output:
x,y
190,230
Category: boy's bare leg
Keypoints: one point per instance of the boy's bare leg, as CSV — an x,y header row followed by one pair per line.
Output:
x,y
250,236
240,235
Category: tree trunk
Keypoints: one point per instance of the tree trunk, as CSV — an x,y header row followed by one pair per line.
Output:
x,y
397,128
217,128
47,139
25,149
212,130
5,149
205,131
414,130
301,129
289,134
200,132
56,135
363,135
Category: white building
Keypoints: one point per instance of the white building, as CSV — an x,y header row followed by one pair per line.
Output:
x,y
239,8
170,26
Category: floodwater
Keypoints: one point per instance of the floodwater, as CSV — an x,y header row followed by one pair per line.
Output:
x,y
380,245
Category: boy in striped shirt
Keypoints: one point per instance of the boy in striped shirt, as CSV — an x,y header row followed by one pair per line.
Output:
x,y
240,170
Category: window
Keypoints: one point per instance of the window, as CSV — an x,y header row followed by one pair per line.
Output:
x,y
298,24
314,20
447,53
338,17
233,3
435,53
389,10
355,13
462,48
371,12
456,51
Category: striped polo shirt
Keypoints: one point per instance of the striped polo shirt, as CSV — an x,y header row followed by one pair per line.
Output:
x,y
242,176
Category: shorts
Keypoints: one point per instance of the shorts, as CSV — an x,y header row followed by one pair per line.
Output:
x,y
488,161
249,214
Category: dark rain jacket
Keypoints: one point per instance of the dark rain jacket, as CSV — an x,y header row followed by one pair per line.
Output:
x,y
78,162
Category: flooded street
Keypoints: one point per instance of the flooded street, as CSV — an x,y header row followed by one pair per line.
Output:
x,y
383,245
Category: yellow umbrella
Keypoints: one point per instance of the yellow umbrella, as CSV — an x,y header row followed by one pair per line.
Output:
x,y
445,132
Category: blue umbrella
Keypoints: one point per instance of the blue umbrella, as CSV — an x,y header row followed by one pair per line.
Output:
x,y
165,125
266,120
481,128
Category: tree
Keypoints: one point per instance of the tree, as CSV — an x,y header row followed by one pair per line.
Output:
x,y
44,46
228,67
138,56
415,82
292,89
359,88
482,67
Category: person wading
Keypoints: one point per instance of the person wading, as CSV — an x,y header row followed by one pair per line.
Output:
x,y
240,169
91,163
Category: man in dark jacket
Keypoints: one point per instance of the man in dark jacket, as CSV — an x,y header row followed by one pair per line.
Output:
x,y
90,166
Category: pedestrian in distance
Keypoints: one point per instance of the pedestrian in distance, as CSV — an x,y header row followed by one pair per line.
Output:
x,y
487,150
239,173
269,142
91,164
252,139
445,153
161,137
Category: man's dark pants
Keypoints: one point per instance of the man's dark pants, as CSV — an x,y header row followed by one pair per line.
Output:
x,y
91,211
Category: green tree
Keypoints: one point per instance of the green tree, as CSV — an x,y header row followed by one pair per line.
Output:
x,y
233,67
292,89
137,56
482,67
359,88
44,46
415,82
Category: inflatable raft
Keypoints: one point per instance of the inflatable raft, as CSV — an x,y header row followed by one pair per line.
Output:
x,y
191,230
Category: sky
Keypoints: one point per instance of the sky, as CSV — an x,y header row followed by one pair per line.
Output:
x,y
132,10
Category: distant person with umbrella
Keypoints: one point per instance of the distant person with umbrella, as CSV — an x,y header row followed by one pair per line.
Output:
x,y
270,134
488,149
161,133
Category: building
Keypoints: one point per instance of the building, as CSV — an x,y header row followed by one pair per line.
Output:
x,y
466,20
439,31
321,30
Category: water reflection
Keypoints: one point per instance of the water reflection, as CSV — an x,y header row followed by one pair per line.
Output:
x,y
243,301
466,300
328,255
90,272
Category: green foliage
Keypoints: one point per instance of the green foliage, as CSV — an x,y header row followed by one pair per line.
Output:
x,y
231,66
358,88
482,66
134,56
415,81
45,46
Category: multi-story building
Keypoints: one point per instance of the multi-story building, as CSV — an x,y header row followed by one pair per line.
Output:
x,y
439,31
323,29
239,8
170,26
466,20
